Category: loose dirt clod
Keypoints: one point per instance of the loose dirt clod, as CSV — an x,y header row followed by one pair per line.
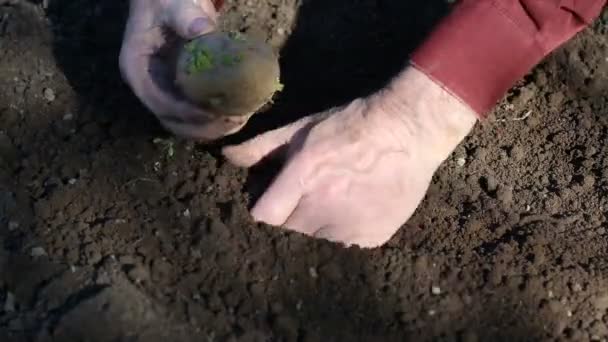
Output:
x,y
13,225
9,302
38,252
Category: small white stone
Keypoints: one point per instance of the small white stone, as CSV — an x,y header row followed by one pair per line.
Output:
x,y
550,294
12,225
49,94
72,181
569,313
432,312
38,252
436,290
186,213
281,31
73,268
461,161
68,117
313,272
9,303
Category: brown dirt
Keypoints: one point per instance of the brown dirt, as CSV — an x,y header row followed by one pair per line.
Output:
x,y
105,238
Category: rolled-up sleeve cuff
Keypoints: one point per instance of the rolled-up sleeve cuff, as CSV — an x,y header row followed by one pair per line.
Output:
x,y
482,48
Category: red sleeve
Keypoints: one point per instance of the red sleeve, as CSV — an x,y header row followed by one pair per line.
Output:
x,y
218,4
484,46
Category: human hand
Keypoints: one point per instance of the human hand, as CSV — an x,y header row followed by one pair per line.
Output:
x,y
354,175
147,59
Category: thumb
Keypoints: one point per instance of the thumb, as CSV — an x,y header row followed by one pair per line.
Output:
x,y
191,18
253,151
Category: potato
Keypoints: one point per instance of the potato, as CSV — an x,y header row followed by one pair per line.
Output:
x,y
228,74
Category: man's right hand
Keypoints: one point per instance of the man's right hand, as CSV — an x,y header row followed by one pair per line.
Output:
x,y
153,33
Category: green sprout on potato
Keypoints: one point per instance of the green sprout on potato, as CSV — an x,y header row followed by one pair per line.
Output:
x,y
229,60
202,60
166,145
278,85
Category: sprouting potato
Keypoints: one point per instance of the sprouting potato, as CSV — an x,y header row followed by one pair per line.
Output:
x,y
228,74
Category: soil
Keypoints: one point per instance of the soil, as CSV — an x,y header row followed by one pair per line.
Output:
x,y
106,236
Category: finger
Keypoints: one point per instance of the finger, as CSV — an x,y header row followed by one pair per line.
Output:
x,y
253,151
178,115
191,18
135,67
209,130
306,217
282,197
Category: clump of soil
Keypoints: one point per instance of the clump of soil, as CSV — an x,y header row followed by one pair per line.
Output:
x,y
106,235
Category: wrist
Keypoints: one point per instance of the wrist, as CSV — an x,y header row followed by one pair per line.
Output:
x,y
416,107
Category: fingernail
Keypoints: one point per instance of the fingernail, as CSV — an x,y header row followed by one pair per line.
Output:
x,y
198,25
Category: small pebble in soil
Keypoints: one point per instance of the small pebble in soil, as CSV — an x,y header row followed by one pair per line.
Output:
x,y
49,94
313,272
196,253
68,117
432,312
37,252
435,290
13,225
186,213
9,303
138,274
461,161
72,181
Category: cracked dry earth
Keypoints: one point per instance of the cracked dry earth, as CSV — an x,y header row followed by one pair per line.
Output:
x,y
104,237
